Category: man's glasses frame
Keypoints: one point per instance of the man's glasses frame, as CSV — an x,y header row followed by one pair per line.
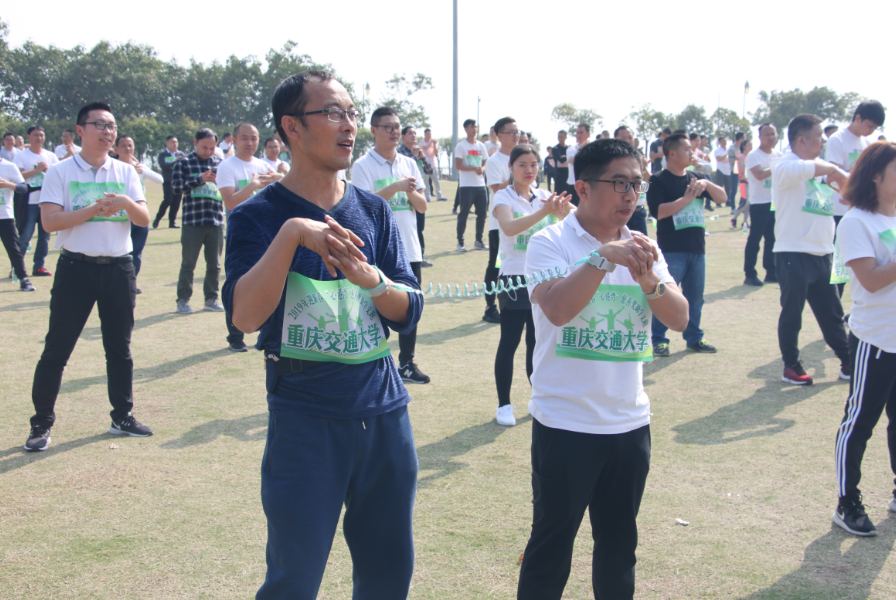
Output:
x,y
102,125
337,115
640,186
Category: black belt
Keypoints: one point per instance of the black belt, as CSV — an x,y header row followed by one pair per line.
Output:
x,y
283,365
100,260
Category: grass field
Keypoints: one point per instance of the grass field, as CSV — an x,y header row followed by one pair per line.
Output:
x,y
745,459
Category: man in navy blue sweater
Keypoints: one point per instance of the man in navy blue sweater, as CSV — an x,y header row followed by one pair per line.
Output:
x,y
311,263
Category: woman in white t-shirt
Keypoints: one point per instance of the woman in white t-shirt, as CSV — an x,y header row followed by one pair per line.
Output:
x,y
867,241
124,147
521,210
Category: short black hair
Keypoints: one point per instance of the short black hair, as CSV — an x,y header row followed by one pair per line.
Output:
x,y
290,97
85,111
722,137
6,135
382,111
406,128
563,131
121,137
693,136
34,128
228,134
585,125
270,139
666,130
204,133
427,129
829,127
684,131
799,125
68,131
871,110
469,122
739,135
170,137
759,130
595,157
743,145
500,123
673,142
620,128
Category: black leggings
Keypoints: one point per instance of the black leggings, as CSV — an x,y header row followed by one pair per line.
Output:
x,y
512,322
10,238
491,271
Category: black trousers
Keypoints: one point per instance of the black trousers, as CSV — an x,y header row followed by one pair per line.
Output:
x,y
10,238
470,196
762,225
512,323
638,220
421,225
491,271
572,472
407,342
808,277
77,286
871,389
170,202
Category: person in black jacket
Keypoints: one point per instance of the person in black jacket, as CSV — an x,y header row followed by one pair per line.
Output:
x,y
171,201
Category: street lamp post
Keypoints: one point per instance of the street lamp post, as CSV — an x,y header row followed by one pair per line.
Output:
x,y
454,112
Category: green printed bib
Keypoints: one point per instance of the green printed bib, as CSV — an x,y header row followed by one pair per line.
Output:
x,y
243,183
83,194
170,159
36,180
474,158
767,183
5,197
691,215
851,160
399,200
207,190
615,326
839,272
522,240
818,199
330,321
888,238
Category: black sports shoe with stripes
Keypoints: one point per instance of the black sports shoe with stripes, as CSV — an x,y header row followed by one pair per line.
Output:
x,y
851,516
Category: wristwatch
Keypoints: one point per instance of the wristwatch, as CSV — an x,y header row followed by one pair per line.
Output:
x,y
384,287
596,260
658,292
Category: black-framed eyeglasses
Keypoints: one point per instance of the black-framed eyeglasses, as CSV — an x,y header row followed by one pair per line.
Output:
x,y
334,114
390,128
516,133
103,126
640,186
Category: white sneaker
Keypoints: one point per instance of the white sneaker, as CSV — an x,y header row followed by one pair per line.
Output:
x,y
504,415
461,248
892,505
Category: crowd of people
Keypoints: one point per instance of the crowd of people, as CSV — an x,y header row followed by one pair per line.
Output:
x,y
323,269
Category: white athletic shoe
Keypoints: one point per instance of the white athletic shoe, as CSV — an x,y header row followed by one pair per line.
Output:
x,y
504,415
892,505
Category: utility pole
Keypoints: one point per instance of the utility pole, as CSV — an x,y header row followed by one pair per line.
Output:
x,y
454,122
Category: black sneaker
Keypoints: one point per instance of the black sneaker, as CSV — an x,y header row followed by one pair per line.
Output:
x,y
771,279
704,347
661,350
26,286
239,346
491,315
38,439
845,372
753,280
411,373
850,515
130,426
425,263
155,223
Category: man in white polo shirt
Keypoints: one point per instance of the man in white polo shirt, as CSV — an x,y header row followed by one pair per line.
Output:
x,y
583,134
91,201
397,179
33,162
762,217
804,246
591,416
67,148
9,151
470,159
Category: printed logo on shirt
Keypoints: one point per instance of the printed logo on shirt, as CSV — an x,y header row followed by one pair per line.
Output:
x,y
888,238
170,159
818,199
614,326
36,180
691,215
851,160
207,190
84,194
330,321
522,240
474,158
767,183
399,200
839,272
243,183
5,196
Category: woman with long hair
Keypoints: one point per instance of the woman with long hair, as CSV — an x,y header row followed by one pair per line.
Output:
x,y
521,210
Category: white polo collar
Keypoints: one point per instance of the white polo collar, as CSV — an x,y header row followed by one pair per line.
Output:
x,y
573,222
87,167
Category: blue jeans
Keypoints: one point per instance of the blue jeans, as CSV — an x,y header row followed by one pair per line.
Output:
x,y
43,238
314,465
688,269
138,240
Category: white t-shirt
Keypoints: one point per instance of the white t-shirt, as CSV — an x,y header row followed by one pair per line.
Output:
x,y
9,155
61,150
74,184
274,164
220,153
513,248
26,160
10,172
149,175
843,149
722,164
571,152
237,173
225,147
497,170
473,155
491,148
586,396
429,151
760,191
372,172
796,228
862,234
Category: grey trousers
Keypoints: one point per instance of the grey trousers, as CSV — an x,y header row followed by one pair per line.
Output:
x,y
192,239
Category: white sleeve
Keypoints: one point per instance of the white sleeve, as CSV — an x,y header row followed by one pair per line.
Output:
x,y
543,255
18,161
53,160
361,178
661,268
751,161
134,189
502,198
493,172
225,177
795,172
11,172
151,175
833,152
854,240
61,151
53,189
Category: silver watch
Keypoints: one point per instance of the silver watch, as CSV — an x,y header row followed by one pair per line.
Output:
x,y
658,292
596,260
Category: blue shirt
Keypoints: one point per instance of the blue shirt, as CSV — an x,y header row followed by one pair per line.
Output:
x,y
331,389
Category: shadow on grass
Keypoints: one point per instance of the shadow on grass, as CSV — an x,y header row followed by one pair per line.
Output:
x,y
827,572
435,338
245,429
95,333
19,458
756,415
22,306
439,456
147,374
658,364
737,292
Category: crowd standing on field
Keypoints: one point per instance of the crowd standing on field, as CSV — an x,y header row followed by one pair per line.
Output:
x,y
323,268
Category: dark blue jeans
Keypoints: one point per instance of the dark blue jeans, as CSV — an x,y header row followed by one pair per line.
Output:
x,y
43,238
138,240
689,271
638,221
314,465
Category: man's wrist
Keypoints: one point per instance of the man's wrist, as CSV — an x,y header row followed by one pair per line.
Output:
x,y
649,282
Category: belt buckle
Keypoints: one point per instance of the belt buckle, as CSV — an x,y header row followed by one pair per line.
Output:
x,y
103,260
